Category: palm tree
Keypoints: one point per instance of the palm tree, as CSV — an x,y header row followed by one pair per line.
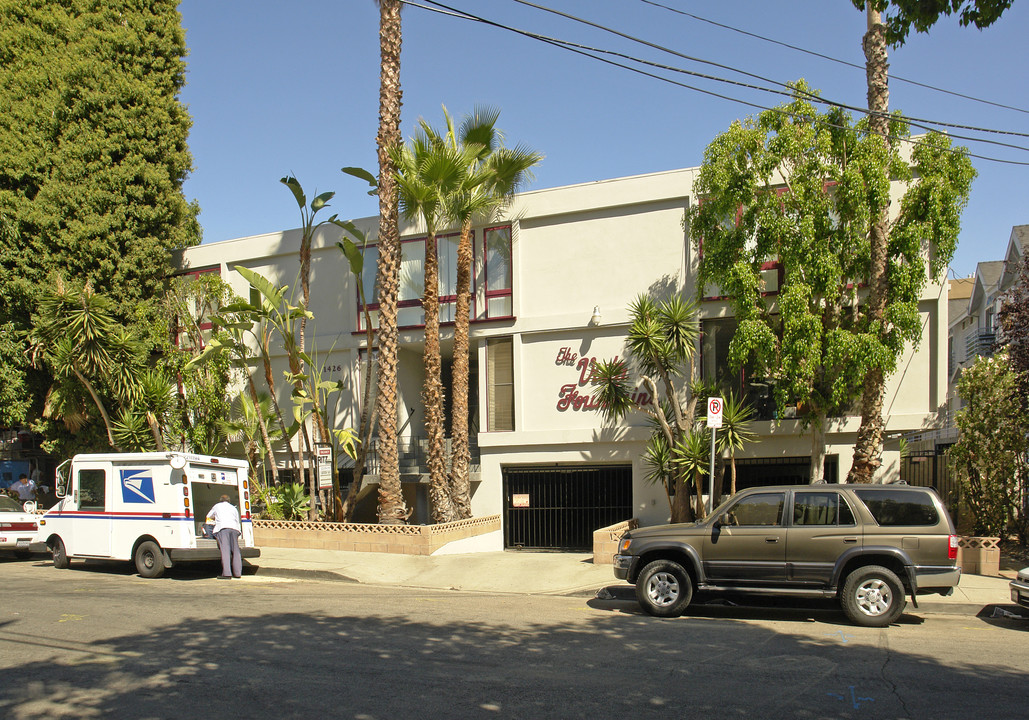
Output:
x,y
661,345
868,447
691,454
494,173
392,509
734,433
249,427
78,338
426,173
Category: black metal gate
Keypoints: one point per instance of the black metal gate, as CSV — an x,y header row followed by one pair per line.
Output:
x,y
558,508
931,468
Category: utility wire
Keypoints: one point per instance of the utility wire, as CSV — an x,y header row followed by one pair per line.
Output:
x,y
829,57
442,9
911,120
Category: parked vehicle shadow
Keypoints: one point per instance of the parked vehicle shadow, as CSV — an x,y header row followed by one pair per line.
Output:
x,y
1009,617
622,599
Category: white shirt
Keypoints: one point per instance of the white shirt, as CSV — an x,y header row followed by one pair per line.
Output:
x,y
225,515
26,491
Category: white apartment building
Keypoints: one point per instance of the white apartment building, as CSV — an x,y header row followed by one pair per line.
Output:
x,y
552,282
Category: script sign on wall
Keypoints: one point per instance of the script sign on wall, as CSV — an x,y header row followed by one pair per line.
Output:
x,y
572,396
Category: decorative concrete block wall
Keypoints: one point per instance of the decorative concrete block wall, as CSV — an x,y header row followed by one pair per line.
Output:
x,y
605,540
979,555
360,537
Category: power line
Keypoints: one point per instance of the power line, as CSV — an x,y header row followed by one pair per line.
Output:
x,y
832,59
814,98
441,8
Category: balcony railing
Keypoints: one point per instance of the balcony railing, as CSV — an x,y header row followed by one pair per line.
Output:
x,y
980,344
414,453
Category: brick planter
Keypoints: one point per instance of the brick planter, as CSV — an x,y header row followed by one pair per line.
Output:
x,y
360,537
605,540
979,555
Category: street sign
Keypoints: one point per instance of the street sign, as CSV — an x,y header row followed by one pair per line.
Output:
x,y
714,412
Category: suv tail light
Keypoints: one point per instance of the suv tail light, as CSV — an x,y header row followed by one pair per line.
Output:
x,y
952,548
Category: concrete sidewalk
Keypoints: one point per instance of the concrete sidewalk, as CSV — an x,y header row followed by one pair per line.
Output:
x,y
533,573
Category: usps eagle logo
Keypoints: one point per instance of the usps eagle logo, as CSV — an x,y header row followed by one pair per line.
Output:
x,y
137,486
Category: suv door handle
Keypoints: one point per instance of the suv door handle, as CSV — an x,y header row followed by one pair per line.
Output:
x,y
850,540
771,539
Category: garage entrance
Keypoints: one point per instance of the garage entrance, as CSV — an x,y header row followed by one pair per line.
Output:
x,y
558,508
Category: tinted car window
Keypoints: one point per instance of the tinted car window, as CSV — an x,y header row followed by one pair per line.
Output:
x,y
821,508
758,509
896,507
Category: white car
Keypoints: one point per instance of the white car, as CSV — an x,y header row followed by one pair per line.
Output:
x,y
1020,588
17,526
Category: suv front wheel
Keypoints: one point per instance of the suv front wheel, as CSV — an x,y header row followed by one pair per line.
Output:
x,y
664,588
873,596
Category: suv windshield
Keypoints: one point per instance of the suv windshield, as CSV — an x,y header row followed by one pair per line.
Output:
x,y
8,504
897,507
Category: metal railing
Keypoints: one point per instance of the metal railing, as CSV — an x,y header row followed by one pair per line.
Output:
x,y
414,453
980,343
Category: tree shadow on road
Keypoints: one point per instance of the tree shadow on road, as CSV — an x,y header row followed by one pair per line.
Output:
x,y
409,660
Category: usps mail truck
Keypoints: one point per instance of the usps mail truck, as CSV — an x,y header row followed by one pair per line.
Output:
x,y
149,508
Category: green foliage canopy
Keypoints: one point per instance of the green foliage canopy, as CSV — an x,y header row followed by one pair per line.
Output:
x,y
800,188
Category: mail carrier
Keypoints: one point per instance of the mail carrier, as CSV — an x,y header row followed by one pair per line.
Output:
x,y
145,507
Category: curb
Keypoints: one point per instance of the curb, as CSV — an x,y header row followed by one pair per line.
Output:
x,y
300,574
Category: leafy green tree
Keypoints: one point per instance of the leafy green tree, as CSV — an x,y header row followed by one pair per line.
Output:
x,y
990,455
93,152
248,425
900,17
661,347
14,400
1014,320
802,188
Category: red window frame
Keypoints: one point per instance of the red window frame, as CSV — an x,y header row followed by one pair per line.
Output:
x,y
417,303
208,325
502,292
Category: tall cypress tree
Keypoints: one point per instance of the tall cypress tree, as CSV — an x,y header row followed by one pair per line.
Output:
x,y
93,148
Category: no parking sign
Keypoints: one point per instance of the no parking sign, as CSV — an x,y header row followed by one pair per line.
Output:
x,y
714,412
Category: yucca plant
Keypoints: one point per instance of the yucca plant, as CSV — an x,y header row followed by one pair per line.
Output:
x,y
291,501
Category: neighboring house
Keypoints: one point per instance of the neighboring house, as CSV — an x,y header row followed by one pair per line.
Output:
x,y
552,282
974,305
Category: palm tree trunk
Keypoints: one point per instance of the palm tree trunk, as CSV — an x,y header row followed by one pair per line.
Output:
x,y
264,430
99,406
392,509
868,448
269,378
460,486
367,426
432,391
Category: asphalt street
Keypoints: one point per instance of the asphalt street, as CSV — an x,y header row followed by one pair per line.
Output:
x,y
100,642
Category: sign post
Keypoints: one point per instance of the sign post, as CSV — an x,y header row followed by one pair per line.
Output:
x,y
714,421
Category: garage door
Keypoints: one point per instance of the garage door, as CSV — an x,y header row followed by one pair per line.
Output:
x,y
558,508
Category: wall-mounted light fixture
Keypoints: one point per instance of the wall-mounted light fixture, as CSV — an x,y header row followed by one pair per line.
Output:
x,y
595,319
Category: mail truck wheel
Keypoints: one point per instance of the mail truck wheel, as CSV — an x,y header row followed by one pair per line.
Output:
x,y
873,596
60,554
149,559
664,588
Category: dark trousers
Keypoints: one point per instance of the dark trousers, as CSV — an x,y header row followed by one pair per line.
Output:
x,y
228,543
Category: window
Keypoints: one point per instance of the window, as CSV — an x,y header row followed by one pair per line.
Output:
x,y
760,509
716,335
500,385
92,489
194,330
821,508
497,249
892,508
410,312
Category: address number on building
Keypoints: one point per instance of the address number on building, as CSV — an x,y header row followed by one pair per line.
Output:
x,y
520,501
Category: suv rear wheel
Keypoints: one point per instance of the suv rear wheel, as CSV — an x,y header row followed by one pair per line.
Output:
x,y
664,588
873,596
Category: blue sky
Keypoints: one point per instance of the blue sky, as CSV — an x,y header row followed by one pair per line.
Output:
x,y
280,88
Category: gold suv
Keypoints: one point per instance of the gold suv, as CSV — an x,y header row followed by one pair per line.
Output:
x,y
865,545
